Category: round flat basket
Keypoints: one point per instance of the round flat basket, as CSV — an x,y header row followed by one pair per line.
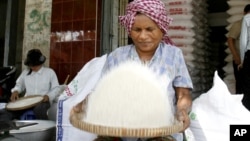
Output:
x,y
24,103
77,121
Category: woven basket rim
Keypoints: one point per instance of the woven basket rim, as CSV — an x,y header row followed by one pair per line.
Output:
x,y
28,105
77,121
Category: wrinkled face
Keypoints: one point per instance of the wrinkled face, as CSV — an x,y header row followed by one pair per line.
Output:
x,y
145,34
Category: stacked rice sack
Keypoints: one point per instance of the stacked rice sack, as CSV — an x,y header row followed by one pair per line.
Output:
x,y
235,13
189,31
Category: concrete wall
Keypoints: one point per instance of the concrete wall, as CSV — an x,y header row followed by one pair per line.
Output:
x,y
37,25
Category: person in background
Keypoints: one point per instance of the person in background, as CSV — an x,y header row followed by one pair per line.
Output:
x,y
36,79
146,22
245,57
233,39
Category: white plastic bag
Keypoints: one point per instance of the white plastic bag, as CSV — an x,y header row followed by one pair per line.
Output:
x,y
213,113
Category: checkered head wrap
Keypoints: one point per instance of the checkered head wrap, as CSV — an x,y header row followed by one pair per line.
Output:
x,y
154,9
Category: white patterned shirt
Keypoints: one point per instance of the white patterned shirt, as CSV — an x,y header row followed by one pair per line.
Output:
x,y
36,83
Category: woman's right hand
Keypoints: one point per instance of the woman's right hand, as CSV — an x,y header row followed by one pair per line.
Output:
x,y
14,96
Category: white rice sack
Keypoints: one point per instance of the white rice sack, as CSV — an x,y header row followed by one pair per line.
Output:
x,y
130,96
229,76
199,37
182,16
200,52
235,18
176,37
190,64
181,32
197,81
228,67
214,109
182,24
201,65
229,26
188,41
176,2
230,85
233,3
199,3
184,45
229,58
200,30
199,44
189,57
187,49
194,71
228,51
185,8
235,10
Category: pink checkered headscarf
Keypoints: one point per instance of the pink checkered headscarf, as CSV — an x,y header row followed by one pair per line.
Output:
x,y
154,9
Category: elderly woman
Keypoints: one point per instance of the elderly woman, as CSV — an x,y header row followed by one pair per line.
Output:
x,y
146,22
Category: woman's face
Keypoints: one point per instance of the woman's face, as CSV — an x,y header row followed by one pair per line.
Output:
x,y
145,34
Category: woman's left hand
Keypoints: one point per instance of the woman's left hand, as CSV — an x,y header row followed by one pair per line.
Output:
x,y
183,116
184,104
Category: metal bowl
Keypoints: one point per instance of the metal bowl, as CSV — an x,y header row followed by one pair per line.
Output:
x,y
45,130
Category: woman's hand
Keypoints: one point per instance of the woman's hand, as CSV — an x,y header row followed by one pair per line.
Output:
x,y
45,98
14,96
182,115
77,108
184,104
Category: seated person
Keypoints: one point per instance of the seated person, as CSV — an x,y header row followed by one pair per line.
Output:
x,y
35,80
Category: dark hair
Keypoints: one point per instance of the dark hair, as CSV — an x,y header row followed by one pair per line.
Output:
x,y
34,58
247,8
